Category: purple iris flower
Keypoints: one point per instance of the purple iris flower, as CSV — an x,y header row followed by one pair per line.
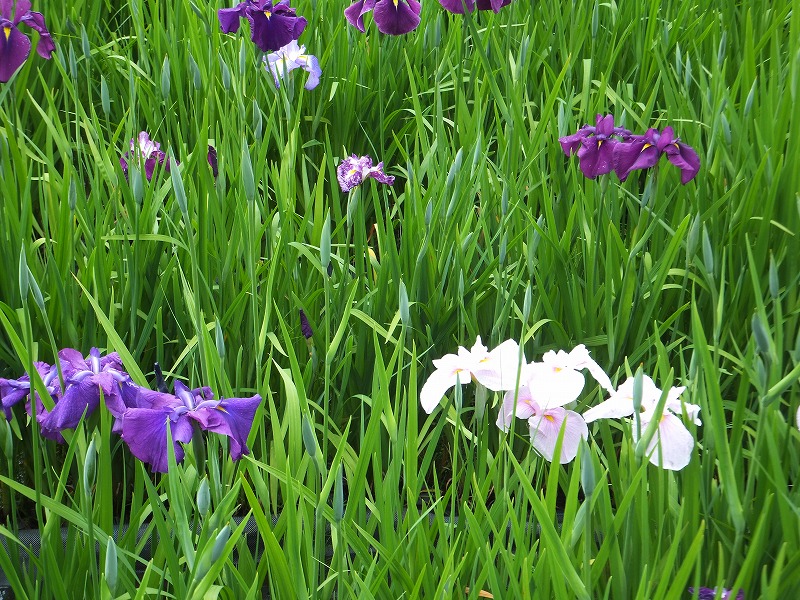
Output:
x,y
644,151
212,160
290,57
305,326
14,46
353,170
595,145
272,26
144,428
84,378
392,17
704,593
457,6
13,391
144,150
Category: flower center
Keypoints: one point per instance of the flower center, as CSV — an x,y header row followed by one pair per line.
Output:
x,y
267,14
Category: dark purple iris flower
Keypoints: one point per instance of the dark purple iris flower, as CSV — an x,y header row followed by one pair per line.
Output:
x,y
144,426
14,46
392,17
272,26
644,151
354,170
305,326
704,593
144,151
595,145
457,6
212,160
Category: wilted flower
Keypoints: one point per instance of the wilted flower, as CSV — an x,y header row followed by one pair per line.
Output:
x,y
14,46
671,446
644,151
595,145
392,17
457,6
144,427
146,151
497,370
704,593
290,57
272,26
305,326
353,170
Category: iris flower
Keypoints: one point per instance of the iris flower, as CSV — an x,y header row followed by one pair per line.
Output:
x,y
671,446
353,170
212,160
290,57
457,6
595,145
392,17
14,46
146,151
84,378
13,391
144,427
496,370
272,26
644,151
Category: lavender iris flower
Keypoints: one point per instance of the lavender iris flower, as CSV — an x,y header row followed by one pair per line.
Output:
x,y
644,151
457,6
13,391
145,429
83,381
14,46
144,150
353,170
290,57
704,593
272,26
392,17
595,145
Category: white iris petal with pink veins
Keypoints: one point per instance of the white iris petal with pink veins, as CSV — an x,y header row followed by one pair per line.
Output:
x,y
497,370
672,445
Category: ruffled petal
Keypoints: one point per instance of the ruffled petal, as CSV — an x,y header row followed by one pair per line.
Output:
x,y
672,445
516,402
437,385
546,427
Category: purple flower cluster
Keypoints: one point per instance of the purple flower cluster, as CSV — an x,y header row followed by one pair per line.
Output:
x,y
14,46
605,148
140,415
272,25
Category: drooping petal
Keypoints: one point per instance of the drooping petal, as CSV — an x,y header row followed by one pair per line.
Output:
x,y
554,386
23,7
145,432
396,17
232,417
437,385
311,65
580,359
229,18
545,429
616,407
633,155
672,445
272,30
35,21
81,398
685,158
596,156
356,11
378,175
493,5
571,143
14,49
517,403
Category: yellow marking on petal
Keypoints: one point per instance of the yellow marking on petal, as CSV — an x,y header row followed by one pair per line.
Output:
x,y
557,369
267,14
220,409
600,143
395,3
351,172
7,31
646,146
550,418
